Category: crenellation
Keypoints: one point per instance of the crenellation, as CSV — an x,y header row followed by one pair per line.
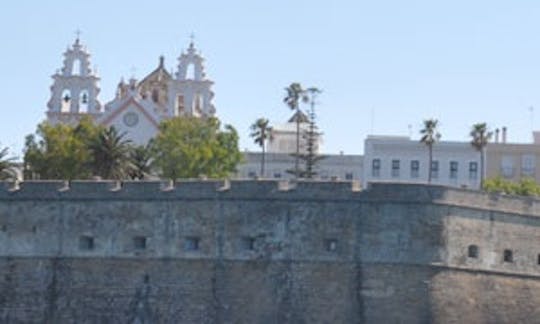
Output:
x,y
249,250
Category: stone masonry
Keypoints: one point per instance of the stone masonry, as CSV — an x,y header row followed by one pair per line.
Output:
x,y
265,252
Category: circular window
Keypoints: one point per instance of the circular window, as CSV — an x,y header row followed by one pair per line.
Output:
x,y
131,119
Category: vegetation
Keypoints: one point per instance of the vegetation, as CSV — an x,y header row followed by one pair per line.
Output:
x,y
109,153
430,135
311,136
295,94
6,164
188,147
141,158
480,138
525,187
184,148
60,152
260,132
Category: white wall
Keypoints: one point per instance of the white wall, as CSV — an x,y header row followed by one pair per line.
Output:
x,y
388,148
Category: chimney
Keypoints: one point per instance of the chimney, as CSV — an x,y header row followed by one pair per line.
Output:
x,y
504,134
497,135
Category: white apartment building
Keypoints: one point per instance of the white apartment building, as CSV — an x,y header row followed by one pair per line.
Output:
x,y
333,166
400,159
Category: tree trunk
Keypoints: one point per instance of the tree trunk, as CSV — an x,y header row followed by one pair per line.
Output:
x,y
263,160
481,168
296,158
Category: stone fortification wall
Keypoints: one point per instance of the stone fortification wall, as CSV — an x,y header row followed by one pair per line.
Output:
x,y
265,252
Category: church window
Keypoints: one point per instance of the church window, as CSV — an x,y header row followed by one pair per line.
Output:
x,y
83,102
155,95
76,68
197,104
180,104
66,101
190,71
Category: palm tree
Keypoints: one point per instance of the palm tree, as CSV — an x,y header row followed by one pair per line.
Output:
x,y
141,159
295,94
430,136
6,164
110,154
260,133
480,138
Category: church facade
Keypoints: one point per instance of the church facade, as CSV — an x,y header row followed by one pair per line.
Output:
x,y
138,106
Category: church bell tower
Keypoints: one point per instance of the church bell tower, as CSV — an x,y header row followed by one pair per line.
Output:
x,y
75,89
190,91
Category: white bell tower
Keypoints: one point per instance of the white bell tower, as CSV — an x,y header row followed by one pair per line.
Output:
x,y
190,91
75,88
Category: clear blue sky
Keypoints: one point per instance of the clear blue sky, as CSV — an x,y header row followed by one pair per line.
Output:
x,y
383,65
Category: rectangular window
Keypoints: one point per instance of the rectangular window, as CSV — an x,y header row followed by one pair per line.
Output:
x,y
415,169
507,166
473,170
86,243
277,175
191,243
528,162
376,168
395,168
348,176
453,169
139,242
434,169
473,251
252,174
508,257
248,243
330,245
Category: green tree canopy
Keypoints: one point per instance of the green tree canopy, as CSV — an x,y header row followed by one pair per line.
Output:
x,y
6,164
60,152
188,147
109,154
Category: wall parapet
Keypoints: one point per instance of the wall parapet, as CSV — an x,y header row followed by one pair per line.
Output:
x,y
267,189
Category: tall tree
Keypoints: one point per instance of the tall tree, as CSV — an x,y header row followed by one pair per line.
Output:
x,y
110,154
295,95
311,136
189,147
430,135
6,165
59,152
141,161
480,137
260,132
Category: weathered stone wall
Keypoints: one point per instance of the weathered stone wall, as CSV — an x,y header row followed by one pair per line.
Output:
x,y
267,252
